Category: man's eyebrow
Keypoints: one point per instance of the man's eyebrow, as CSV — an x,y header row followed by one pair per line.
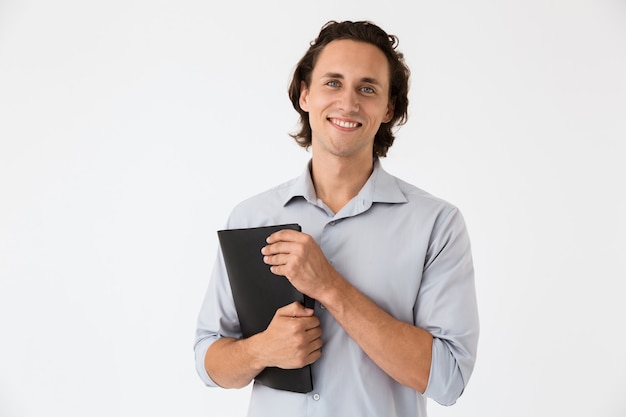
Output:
x,y
332,75
370,80
337,75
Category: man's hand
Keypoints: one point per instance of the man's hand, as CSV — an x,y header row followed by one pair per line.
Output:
x,y
292,339
298,257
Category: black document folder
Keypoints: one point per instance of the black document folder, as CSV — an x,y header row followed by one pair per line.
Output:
x,y
258,293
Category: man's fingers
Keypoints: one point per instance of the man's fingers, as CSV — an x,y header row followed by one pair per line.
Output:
x,y
275,259
295,337
295,309
286,235
280,247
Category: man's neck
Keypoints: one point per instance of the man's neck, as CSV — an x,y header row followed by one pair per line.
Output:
x,y
338,180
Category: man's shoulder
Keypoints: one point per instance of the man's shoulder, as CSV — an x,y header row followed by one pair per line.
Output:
x,y
424,208
263,205
275,194
419,196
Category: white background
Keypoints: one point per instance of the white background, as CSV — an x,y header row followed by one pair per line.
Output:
x,y
129,129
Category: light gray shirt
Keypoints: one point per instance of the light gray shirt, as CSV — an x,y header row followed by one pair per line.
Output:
x,y
405,249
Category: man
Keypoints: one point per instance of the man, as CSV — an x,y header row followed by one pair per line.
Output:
x,y
390,265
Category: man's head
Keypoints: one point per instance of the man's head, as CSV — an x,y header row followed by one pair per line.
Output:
x,y
399,77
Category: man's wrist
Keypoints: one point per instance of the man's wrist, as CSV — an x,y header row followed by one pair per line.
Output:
x,y
333,295
251,348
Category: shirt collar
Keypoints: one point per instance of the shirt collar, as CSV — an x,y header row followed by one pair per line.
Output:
x,y
381,187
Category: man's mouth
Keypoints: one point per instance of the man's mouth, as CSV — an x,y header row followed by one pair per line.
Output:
x,y
344,124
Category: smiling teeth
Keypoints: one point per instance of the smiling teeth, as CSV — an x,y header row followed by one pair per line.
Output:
x,y
349,125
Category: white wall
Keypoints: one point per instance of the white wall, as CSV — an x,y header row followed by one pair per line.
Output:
x,y
129,129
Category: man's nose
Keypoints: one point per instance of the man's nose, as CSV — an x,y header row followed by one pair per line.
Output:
x,y
349,101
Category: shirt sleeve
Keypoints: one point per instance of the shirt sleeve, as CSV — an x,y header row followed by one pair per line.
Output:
x,y
446,306
217,318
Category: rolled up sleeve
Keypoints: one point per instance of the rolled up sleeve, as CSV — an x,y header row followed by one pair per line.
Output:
x,y
446,306
217,318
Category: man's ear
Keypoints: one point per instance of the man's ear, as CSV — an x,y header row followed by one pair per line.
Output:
x,y
304,96
390,109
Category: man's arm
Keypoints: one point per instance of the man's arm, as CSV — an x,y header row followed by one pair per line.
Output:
x,y
292,340
400,349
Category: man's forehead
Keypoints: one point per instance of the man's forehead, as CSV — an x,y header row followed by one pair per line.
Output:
x,y
348,56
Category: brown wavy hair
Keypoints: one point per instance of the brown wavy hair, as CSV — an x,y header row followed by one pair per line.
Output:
x,y
362,31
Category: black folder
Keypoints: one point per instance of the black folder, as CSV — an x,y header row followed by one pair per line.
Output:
x,y
258,293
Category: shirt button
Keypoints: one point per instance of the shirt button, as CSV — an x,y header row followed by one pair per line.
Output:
x,y
332,222
316,397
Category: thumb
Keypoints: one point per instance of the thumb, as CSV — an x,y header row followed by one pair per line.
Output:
x,y
295,309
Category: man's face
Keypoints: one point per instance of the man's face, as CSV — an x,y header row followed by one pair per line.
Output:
x,y
348,98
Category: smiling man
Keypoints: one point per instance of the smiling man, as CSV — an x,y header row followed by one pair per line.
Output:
x,y
389,265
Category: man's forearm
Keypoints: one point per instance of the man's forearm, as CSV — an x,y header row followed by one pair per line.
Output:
x,y
230,364
400,349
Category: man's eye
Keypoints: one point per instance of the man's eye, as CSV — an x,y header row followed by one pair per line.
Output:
x,y
333,84
368,90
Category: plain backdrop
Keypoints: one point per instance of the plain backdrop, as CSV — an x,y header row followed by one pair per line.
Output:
x,y
129,129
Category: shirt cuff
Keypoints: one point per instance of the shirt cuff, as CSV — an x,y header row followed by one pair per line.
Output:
x,y
445,383
200,352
